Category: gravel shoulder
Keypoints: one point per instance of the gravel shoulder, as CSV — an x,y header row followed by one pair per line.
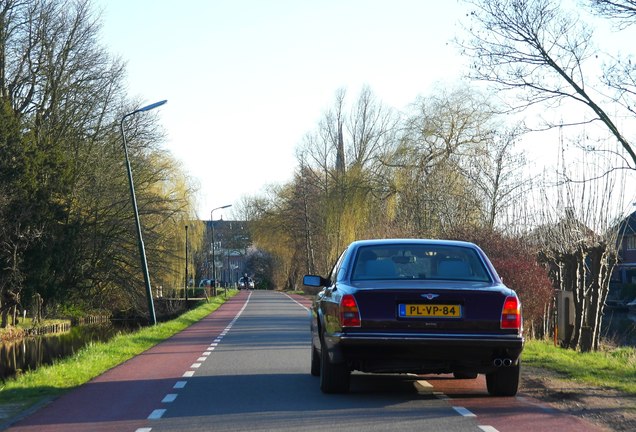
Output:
x,y
612,409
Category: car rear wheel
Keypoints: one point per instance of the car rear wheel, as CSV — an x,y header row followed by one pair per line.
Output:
x,y
334,377
315,361
504,381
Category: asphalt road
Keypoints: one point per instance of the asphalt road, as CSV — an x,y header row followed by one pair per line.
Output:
x,y
246,368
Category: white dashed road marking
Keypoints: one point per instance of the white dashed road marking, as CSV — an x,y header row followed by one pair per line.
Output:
x,y
156,414
169,398
180,384
463,411
488,429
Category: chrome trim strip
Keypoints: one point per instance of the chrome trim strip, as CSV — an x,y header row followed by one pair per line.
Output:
x,y
412,336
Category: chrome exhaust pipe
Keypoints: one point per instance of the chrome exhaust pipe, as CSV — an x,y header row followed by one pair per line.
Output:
x,y
507,362
497,362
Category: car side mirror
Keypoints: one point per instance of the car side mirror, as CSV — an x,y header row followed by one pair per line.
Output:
x,y
314,281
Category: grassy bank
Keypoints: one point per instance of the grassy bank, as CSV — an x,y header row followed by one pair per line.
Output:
x,y
614,368
96,358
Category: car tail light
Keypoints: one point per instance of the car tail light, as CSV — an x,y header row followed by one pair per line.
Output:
x,y
349,313
511,314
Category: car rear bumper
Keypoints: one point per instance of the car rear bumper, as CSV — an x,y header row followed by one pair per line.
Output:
x,y
441,353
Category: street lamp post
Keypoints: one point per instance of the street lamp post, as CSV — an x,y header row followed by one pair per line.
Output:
x,y
213,246
186,266
140,241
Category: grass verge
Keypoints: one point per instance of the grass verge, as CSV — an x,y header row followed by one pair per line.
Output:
x,y
614,368
94,359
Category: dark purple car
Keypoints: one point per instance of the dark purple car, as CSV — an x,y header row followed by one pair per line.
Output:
x,y
415,306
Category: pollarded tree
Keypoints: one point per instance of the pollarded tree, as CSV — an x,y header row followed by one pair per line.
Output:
x,y
577,236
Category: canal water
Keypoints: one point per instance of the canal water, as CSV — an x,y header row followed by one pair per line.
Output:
x,y
32,352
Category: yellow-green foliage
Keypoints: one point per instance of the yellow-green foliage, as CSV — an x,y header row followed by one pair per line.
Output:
x,y
175,210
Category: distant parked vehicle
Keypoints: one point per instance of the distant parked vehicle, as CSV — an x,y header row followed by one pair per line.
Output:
x,y
415,306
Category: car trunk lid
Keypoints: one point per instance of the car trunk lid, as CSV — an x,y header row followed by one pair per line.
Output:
x,y
432,307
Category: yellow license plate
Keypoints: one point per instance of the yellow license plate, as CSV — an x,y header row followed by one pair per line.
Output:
x,y
432,310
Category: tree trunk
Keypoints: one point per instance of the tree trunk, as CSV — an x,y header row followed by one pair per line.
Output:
x,y
4,318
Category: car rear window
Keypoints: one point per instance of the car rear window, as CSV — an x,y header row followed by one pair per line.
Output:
x,y
436,262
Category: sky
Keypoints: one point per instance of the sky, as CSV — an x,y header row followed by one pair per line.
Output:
x,y
246,80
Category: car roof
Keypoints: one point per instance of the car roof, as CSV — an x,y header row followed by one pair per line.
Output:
x,y
405,241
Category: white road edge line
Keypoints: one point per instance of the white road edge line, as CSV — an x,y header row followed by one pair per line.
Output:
x,y
488,429
156,414
188,374
202,359
463,411
299,304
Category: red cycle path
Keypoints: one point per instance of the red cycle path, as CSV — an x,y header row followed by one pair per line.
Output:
x,y
122,398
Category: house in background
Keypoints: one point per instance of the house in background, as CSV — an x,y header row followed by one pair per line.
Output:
x,y
226,245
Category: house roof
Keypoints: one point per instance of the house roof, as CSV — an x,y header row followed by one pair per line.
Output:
x,y
628,225
568,230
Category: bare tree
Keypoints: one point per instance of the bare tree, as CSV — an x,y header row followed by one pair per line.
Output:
x,y
545,54
498,174
622,10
